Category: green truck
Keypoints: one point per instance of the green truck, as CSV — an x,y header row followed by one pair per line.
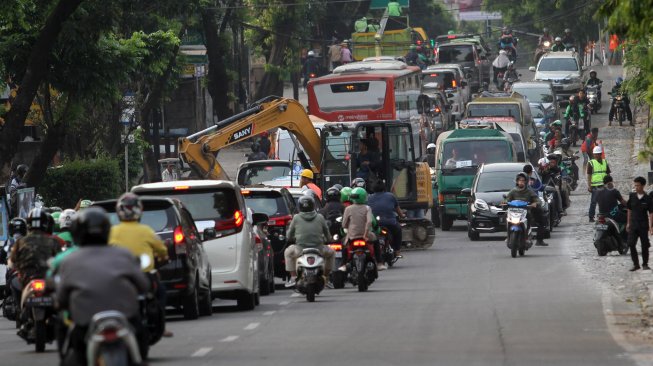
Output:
x,y
458,155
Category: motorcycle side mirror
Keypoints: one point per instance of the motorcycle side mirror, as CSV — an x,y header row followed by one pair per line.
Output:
x,y
505,196
539,125
549,189
532,68
339,219
145,261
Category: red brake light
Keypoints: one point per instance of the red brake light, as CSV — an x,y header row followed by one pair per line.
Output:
x,y
419,42
453,83
359,243
437,110
181,188
451,36
601,219
280,221
433,75
310,260
178,235
230,226
38,285
336,247
110,334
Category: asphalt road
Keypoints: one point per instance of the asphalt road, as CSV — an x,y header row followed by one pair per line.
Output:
x,y
458,303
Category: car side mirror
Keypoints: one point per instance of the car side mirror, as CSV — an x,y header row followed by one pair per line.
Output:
x,y
532,68
467,192
259,218
209,233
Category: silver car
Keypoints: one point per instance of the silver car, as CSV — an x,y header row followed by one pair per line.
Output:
x,y
563,69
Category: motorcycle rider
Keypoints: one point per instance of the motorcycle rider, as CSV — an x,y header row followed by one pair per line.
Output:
x,y
558,46
549,171
567,153
17,229
311,66
522,193
616,90
306,182
385,206
359,221
308,229
65,222
575,111
546,36
412,57
640,222
591,141
16,184
567,39
595,81
500,64
556,125
333,209
511,73
97,277
608,199
597,169
584,103
508,41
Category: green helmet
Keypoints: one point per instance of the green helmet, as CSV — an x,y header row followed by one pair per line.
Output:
x,y
55,216
344,194
359,195
557,122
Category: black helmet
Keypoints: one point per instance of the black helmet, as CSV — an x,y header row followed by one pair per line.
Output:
x,y
306,203
256,147
21,170
38,220
339,186
565,142
333,194
521,175
129,207
17,225
91,227
358,182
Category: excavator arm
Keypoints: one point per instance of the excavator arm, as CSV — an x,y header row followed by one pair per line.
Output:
x,y
200,149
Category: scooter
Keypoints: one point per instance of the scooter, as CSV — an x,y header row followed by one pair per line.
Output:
x,y
310,273
37,317
111,340
361,266
520,235
609,235
338,278
593,96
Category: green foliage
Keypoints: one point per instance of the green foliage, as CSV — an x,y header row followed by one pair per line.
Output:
x,y
431,16
81,179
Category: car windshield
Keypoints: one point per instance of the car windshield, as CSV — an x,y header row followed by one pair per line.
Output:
x,y
495,182
270,203
210,204
456,54
472,153
558,64
494,110
258,174
444,79
360,95
535,95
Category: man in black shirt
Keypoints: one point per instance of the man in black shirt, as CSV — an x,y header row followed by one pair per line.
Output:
x,y
640,222
608,199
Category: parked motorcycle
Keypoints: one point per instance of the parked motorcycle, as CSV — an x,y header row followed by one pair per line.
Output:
x,y
507,85
593,97
310,273
37,317
361,266
520,235
609,235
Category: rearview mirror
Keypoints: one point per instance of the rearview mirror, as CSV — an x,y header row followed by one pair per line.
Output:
x,y
532,68
259,218
209,233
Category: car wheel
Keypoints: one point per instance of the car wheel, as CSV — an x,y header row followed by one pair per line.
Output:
x,y
206,305
190,305
246,301
263,285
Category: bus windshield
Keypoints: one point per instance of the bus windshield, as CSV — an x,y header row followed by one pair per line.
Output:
x,y
494,110
357,95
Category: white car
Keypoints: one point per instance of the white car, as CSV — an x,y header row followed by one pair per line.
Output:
x,y
446,79
227,226
563,69
460,75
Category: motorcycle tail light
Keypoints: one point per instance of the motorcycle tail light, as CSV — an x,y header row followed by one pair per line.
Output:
x,y
311,260
38,286
336,247
358,243
110,334
601,219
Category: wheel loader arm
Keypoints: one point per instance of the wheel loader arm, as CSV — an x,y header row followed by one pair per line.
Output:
x,y
199,150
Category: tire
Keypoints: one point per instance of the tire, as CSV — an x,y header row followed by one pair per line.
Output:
x,y
310,293
522,252
263,286
206,305
362,281
114,356
514,243
190,305
473,235
246,301
600,248
40,334
271,285
446,222
339,279
574,136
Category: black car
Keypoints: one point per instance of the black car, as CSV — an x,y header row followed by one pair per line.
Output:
x,y
265,259
187,275
280,207
492,182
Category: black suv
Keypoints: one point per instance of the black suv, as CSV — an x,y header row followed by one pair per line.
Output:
x,y
187,276
280,207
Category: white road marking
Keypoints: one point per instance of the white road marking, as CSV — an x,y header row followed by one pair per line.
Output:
x,y
267,313
284,303
252,326
202,352
229,339
296,295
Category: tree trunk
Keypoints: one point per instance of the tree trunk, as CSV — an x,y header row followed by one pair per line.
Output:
x,y
216,49
271,83
37,69
47,152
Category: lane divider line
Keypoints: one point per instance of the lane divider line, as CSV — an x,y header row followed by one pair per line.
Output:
x,y
229,339
268,313
284,303
252,326
202,352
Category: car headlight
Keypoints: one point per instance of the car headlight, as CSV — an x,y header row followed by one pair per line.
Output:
x,y
481,205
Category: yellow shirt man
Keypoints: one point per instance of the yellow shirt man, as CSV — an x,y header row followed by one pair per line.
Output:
x,y
139,239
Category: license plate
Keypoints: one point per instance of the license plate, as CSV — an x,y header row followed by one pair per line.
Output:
x,y
601,227
338,254
39,301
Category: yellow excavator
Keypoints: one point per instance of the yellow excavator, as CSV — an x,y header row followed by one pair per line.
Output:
x,y
374,150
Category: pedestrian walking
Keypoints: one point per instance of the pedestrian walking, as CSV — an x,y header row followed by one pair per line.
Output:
x,y
597,169
640,222
335,55
345,53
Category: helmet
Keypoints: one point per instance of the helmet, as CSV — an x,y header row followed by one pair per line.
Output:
x,y
545,30
306,203
311,53
55,216
567,30
256,147
358,182
66,218
597,150
521,175
451,32
554,156
129,207
557,123
592,72
359,195
85,204
430,148
264,134
619,80
502,52
339,186
21,170
344,194
91,226
565,142
17,225
38,220
511,64
333,194
558,39
307,173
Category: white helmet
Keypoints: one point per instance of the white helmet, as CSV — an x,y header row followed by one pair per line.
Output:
x,y
311,53
430,146
558,39
597,150
66,218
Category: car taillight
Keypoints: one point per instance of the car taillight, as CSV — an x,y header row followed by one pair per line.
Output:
x,y
38,286
359,243
311,75
601,219
110,334
258,242
310,260
336,247
280,221
454,84
230,226
179,239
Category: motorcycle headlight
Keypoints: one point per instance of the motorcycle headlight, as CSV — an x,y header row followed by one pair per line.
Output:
x,y
546,44
481,205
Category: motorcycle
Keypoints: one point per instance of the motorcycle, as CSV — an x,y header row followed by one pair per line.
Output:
x,y
111,340
507,84
576,125
361,266
385,243
520,235
609,235
37,317
566,167
310,273
542,49
338,278
593,97
619,105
